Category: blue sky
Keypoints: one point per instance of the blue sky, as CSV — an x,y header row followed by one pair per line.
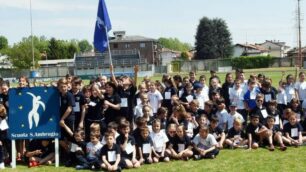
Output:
x,y
248,20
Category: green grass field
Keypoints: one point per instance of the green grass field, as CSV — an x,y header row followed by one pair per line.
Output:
x,y
293,159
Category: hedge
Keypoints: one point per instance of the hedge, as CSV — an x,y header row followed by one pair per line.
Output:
x,y
250,62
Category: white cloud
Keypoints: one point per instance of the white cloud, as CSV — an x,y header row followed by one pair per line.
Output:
x,y
47,5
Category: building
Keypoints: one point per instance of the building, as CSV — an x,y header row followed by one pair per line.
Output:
x,y
5,63
249,50
276,48
165,56
145,47
293,53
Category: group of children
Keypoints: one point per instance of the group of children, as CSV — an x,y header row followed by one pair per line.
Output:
x,y
113,124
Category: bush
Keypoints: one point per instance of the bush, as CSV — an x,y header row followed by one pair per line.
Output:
x,y
250,62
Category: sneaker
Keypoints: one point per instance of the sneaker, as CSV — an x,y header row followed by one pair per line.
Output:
x,y
79,167
2,166
197,157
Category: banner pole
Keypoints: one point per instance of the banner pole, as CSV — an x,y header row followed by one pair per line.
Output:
x,y
56,152
108,45
13,154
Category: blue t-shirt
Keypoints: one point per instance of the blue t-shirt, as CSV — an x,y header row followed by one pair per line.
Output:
x,y
249,99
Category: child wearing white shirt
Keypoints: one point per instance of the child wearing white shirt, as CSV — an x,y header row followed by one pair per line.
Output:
x,y
155,97
159,139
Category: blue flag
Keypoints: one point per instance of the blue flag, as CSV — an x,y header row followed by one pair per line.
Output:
x,y
103,25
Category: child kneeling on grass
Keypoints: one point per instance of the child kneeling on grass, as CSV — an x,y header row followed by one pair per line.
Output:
x,y
205,144
40,152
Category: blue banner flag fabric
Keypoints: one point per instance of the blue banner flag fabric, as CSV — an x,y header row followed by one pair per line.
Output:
x,y
103,26
34,113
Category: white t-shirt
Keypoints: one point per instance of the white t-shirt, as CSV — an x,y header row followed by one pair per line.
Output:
x,y
209,141
301,89
290,92
92,149
281,97
231,119
159,140
201,99
190,127
154,99
223,118
236,96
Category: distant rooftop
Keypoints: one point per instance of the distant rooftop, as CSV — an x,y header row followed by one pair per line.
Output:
x,y
120,36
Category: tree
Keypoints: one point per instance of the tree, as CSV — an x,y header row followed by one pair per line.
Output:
x,y
213,39
53,51
3,43
174,44
84,46
184,55
20,55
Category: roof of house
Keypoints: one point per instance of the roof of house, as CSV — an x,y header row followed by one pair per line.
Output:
x,y
255,47
278,43
133,38
295,50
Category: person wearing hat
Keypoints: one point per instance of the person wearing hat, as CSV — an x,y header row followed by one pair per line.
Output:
x,y
197,87
233,115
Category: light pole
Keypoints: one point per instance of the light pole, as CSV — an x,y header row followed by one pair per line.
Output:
x,y
32,35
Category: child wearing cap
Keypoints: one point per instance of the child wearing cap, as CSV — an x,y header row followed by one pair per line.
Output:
x,y
200,97
233,115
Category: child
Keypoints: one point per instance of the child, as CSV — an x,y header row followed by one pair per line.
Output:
x,y
92,152
250,96
147,111
159,139
293,131
256,132
201,120
40,152
141,90
140,123
4,141
110,154
77,147
290,90
281,97
273,111
190,124
217,132
198,87
193,108
79,108
182,147
267,91
127,145
162,115
155,97
138,109
222,114
296,108
145,146
235,136
67,102
205,144
276,132
259,109
233,115
236,96
111,127
188,95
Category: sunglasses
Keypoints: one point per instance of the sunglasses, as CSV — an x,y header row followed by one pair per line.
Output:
x,y
259,100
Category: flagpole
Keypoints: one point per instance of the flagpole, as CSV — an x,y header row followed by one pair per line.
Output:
x,y
108,45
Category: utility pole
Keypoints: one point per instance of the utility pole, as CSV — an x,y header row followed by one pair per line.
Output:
x,y
300,58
